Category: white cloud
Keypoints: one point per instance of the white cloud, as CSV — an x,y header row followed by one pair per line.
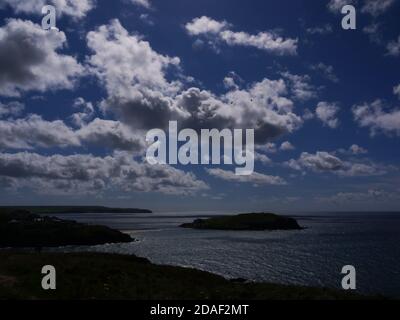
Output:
x,y
13,108
86,114
308,114
396,90
33,131
142,96
76,9
256,178
373,116
82,174
327,112
29,59
393,48
326,70
219,31
300,86
113,135
356,150
143,3
204,25
269,147
323,161
145,17
286,146
373,31
336,6
376,7
262,158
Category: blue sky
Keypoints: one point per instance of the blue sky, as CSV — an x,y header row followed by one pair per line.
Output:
x,y
75,105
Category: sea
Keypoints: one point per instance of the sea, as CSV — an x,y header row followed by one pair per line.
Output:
x,y
313,256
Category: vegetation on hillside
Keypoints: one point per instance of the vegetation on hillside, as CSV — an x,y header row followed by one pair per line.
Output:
x,y
24,229
105,276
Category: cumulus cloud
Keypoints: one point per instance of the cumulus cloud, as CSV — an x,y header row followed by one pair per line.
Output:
x,y
269,147
143,3
33,131
142,96
86,112
262,158
91,174
300,86
323,161
111,134
393,48
357,150
204,25
220,31
29,59
76,9
336,6
376,118
256,178
286,146
326,71
326,112
376,7
13,108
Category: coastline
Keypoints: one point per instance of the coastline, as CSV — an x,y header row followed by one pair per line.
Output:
x,y
84,276
143,251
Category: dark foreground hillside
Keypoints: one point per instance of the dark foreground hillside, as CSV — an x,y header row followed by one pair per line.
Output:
x,y
104,276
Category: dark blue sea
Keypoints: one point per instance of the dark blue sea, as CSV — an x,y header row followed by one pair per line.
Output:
x,y
312,257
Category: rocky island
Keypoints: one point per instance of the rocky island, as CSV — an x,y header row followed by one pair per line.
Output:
x,y
21,228
248,221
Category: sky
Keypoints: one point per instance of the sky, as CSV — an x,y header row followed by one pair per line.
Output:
x,y
76,104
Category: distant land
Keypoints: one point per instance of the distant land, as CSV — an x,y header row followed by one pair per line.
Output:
x,y
73,209
21,228
247,221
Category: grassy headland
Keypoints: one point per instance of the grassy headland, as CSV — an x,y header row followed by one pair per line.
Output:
x,y
249,221
105,276
25,229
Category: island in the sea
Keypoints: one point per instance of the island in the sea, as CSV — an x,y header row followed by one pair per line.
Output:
x,y
22,228
247,221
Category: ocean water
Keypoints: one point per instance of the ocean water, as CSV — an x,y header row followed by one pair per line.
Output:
x,y
313,256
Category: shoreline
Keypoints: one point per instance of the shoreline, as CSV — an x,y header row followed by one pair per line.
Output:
x,y
128,277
